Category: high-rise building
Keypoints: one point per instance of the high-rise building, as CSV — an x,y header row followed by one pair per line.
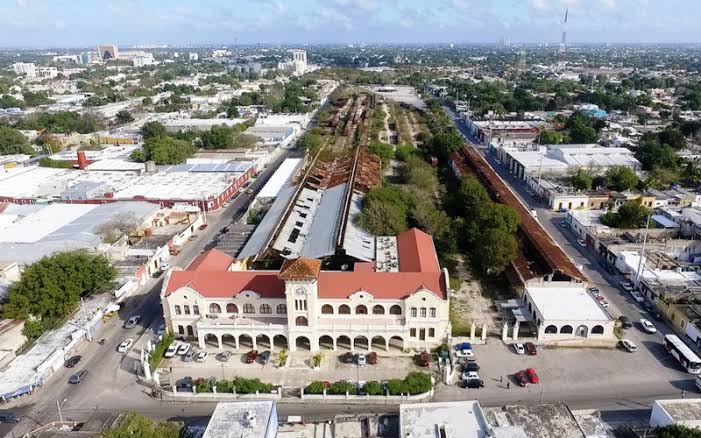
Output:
x,y
25,68
299,61
108,52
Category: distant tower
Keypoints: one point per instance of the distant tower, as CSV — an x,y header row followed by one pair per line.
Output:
x,y
563,41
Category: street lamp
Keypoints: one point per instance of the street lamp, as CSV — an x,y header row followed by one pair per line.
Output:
x,y
58,405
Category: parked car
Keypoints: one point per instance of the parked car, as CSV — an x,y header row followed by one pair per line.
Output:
x,y
637,296
73,361
532,375
521,378
184,384
165,266
9,417
78,377
161,329
464,350
251,356
563,224
347,357
518,348
530,349
223,356
202,356
124,346
629,345
264,357
582,243
474,383
594,291
361,359
372,358
625,322
423,359
203,227
189,356
647,326
471,366
183,349
131,322
626,285
172,350
470,375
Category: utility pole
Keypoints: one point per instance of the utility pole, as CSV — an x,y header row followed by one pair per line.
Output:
x,y
58,405
87,321
642,252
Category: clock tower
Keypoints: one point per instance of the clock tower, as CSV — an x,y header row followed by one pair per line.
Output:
x,y
301,280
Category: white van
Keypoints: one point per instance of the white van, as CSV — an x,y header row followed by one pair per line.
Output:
x,y
172,349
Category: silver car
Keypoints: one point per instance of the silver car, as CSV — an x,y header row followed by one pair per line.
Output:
x,y
189,356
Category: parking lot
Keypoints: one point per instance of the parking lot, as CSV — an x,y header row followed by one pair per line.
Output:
x,y
299,370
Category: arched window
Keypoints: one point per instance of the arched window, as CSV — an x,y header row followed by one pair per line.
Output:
x,y
597,330
395,310
423,312
413,312
177,310
344,310
566,329
248,308
361,310
196,309
432,312
231,308
301,321
181,330
281,309
265,309
327,309
214,308
551,329
186,309
378,310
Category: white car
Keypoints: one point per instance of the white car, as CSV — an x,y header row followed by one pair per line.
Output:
x,y
165,266
183,349
124,346
637,296
470,375
464,353
648,326
362,360
518,348
627,286
201,356
582,243
629,345
172,350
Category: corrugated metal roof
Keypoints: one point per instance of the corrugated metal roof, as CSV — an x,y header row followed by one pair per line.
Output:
x,y
324,229
262,234
208,167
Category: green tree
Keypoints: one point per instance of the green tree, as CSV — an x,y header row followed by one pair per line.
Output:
x,y
137,426
677,431
581,180
382,150
383,219
51,288
218,137
672,136
152,130
244,141
124,116
7,101
164,150
316,387
581,129
652,154
548,136
629,215
446,142
404,151
374,387
13,142
496,249
621,178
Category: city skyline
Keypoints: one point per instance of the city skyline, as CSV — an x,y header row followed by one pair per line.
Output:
x,y
44,23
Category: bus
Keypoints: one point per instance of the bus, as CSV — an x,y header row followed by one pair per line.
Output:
x,y
687,358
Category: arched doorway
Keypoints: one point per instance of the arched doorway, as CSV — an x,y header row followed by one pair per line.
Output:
x,y
326,342
229,341
280,342
263,341
597,330
343,342
245,341
397,343
566,330
360,343
210,339
582,331
302,343
378,342
551,329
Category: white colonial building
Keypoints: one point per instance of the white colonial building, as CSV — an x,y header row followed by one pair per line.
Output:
x,y
401,304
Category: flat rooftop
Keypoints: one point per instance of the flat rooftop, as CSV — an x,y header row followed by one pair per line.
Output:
x,y
566,301
458,419
545,420
684,411
229,420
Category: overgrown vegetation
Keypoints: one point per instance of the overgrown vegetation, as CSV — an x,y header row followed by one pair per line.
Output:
x,y
136,425
629,215
156,355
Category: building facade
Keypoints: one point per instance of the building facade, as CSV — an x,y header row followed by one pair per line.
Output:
x,y
301,307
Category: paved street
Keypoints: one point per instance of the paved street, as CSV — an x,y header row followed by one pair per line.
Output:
x,y
111,383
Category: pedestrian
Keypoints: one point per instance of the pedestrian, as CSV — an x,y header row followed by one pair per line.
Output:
x,y
508,385
683,393
501,379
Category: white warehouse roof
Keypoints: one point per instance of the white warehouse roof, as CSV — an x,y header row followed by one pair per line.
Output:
x,y
564,301
280,178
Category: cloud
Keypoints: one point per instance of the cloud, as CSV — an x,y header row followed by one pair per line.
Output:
x,y
363,5
21,3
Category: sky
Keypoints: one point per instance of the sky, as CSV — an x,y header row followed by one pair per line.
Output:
x,y
85,23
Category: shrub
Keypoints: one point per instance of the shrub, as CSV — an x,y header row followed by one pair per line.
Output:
x,y
374,388
316,387
414,383
316,360
341,387
157,354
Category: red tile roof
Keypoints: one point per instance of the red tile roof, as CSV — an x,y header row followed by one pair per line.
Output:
x,y
221,284
416,252
212,260
300,268
382,285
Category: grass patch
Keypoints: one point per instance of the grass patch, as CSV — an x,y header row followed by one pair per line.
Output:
x,y
459,327
156,356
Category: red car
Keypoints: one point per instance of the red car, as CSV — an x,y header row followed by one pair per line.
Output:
x,y
251,356
532,376
372,358
521,378
530,349
423,359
